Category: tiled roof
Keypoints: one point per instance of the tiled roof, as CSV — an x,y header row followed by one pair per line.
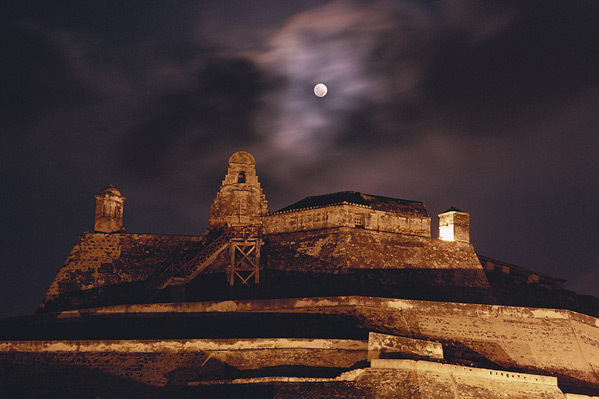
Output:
x,y
353,197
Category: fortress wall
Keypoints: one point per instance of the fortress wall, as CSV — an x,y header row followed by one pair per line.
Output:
x,y
406,379
80,270
101,259
366,249
558,342
532,340
530,343
438,381
177,361
260,362
587,337
345,216
101,263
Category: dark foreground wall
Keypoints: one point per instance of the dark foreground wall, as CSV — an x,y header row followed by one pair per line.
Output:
x,y
546,341
236,372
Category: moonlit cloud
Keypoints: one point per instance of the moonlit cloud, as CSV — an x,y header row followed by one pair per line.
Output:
x,y
333,44
376,59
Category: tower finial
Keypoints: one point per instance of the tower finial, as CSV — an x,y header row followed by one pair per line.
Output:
x,y
109,210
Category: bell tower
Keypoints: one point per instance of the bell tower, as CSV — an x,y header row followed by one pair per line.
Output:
x,y
240,199
109,210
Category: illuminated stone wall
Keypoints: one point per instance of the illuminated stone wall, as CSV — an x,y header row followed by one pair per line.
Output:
x,y
240,199
439,381
349,215
109,261
364,249
531,350
158,362
560,343
102,260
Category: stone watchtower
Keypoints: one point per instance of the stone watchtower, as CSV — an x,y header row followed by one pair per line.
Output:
x,y
240,199
109,210
454,225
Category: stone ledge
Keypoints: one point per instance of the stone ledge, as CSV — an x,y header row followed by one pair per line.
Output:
x,y
292,304
347,376
381,345
469,372
182,345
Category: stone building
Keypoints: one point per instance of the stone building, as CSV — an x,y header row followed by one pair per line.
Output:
x,y
342,295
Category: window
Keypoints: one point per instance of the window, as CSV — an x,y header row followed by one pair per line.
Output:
x,y
241,178
359,222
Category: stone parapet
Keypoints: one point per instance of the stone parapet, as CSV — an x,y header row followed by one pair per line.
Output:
x,y
346,215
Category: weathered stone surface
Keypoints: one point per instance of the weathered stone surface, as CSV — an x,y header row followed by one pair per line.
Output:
x,y
365,212
344,247
240,198
161,362
436,380
383,346
559,342
103,260
111,262
353,261
254,363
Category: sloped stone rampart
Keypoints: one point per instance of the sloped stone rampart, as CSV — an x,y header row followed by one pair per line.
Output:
x,y
161,362
436,381
211,365
546,341
356,248
101,260
101,268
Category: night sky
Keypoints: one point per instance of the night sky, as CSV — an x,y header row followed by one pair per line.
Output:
x,y
489,106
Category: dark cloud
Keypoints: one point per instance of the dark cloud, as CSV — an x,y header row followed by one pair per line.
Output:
x,y
399,70
214,110
488,106
36,75
543,55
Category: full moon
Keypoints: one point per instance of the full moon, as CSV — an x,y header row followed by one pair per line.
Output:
x,y
320,90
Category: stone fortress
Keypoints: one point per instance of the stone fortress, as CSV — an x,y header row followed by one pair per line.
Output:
x,y
342,295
